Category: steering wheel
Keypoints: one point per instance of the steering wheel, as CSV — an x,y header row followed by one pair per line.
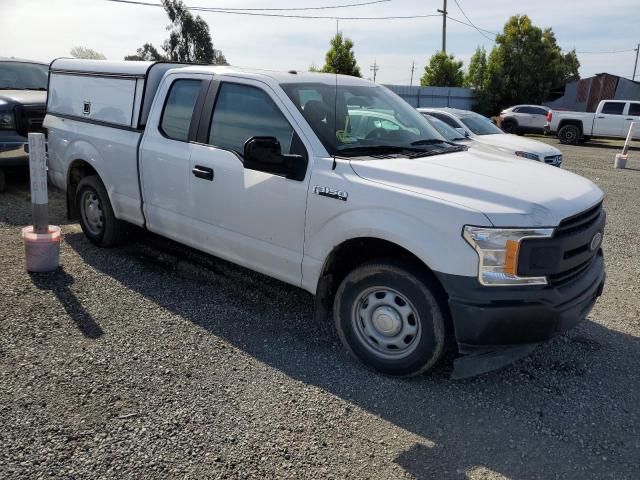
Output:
x,y
376,133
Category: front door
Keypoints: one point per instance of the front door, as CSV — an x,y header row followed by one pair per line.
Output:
x,y
252,218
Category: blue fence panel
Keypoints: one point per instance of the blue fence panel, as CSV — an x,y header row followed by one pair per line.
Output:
x,y
453,97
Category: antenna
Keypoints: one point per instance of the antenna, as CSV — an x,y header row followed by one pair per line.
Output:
x,y
413,66
335,101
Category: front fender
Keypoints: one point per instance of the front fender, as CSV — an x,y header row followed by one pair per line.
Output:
x,y
439,244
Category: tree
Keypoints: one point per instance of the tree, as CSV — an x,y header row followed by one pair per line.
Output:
x,y
147,53
340,57
86,53
524,66
477,69
571,66
189,39
442,71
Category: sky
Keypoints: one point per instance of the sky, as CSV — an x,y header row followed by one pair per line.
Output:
x,y
46,29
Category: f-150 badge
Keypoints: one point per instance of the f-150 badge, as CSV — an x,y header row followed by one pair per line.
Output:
x,y
330,192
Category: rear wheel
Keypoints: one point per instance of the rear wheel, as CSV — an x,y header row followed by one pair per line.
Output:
x,y
569,135
388,316
509,126
97,219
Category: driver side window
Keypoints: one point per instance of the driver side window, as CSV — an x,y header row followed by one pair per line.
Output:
x,y
242,112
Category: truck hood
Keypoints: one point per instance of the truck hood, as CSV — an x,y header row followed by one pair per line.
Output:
x,y
513,143
23,97
510,192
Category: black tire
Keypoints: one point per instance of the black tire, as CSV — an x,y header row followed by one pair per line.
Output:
x,y
406,288
2,180
510,126
113,230
569,135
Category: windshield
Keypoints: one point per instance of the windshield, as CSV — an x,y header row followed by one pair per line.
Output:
x,y
478,124
362,118
23,76
445,130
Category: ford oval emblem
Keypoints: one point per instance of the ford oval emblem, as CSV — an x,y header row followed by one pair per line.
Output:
x,y
595,241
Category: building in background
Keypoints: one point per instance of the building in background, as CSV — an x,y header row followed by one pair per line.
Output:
x,y
585,94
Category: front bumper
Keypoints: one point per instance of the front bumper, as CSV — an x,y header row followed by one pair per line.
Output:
x,y
14,153
498,325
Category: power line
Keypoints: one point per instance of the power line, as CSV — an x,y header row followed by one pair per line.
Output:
x,y
279,15
470,25
325,7
469,20
614,51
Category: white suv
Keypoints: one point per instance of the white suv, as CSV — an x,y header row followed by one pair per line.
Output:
x,y
521,119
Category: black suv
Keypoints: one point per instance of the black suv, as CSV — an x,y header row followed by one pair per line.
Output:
x,y
23,96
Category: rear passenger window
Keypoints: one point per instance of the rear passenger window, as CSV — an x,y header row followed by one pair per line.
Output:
x,y
178,110
538,111
242,112
634,109
613,108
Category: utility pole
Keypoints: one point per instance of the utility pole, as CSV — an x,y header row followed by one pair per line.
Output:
x,y
635,65
413,66
374,68
444,25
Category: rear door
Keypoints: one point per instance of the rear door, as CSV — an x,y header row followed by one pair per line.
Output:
x,y
165,151
609,121
537,118
252,218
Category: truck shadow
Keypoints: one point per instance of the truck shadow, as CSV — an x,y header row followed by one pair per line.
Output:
x,y
530,420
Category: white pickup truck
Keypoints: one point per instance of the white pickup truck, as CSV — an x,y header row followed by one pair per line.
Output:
x,y
612,119
404,238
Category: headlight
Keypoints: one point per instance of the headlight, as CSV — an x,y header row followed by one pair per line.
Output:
x,y
498,250
7,121
529,156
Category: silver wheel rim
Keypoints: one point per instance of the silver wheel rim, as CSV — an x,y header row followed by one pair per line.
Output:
x,y
91,211
386,323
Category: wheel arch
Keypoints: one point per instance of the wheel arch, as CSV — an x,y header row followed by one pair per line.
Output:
x,y
77,170
353,252
570,121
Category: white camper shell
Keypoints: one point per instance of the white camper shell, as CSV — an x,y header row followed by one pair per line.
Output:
x,y
115,93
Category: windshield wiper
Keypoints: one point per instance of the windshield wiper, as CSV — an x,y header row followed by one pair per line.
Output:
x,y
428,141
373,148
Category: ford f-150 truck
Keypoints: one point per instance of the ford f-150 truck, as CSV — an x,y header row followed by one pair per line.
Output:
x,y
404,238
23,86
612,119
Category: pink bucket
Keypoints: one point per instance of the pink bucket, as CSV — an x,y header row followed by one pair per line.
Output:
x,y
42,250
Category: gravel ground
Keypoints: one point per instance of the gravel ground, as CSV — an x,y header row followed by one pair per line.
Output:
x,y
153,361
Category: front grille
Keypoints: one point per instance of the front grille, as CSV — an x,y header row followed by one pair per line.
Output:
x,y
553,159
579,223
569,253
29,119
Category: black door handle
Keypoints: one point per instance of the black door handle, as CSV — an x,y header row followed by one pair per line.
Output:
x,y
203,172
600,117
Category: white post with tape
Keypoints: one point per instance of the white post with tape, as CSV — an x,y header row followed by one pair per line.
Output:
x,y
41,240
621,158
38,174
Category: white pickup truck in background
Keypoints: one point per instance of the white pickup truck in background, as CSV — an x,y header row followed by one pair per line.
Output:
x,y
612,119
405,239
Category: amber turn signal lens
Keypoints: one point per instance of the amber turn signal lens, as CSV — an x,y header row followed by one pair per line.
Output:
x,y
511,257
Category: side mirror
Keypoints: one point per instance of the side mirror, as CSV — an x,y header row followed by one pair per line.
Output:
x,y
462,131
264,154
262,151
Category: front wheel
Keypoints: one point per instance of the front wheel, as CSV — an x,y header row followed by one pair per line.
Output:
x,y
388,316
509,126
569,135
